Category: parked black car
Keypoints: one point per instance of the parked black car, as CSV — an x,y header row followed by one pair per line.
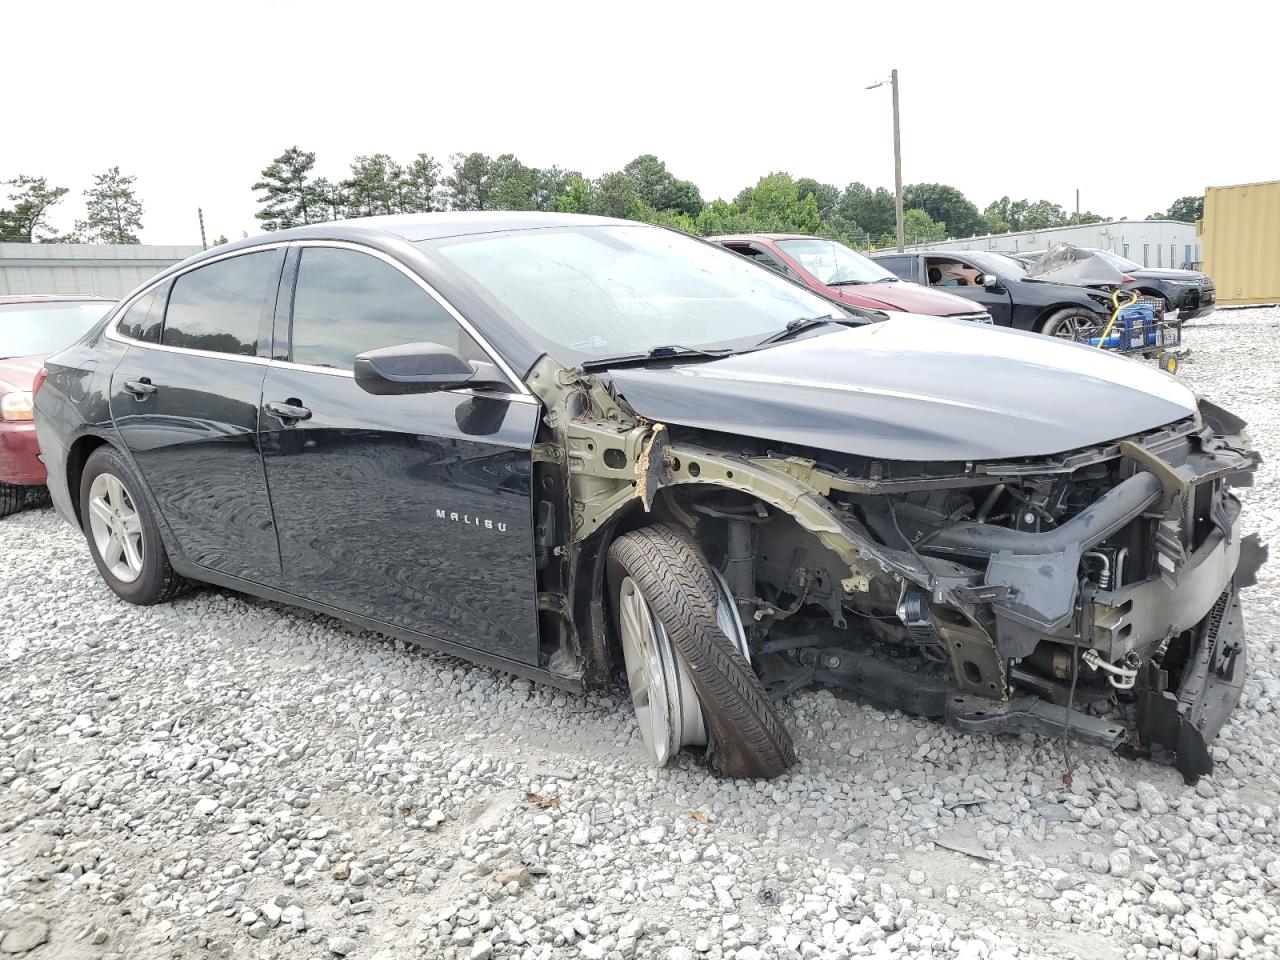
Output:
x,y
565,445
1186,294
1000,285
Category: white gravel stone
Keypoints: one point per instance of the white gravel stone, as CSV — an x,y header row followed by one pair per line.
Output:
x,y
223,777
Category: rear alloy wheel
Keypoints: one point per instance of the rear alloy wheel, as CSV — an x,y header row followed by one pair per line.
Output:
x,y
686,658
1073,324
122,534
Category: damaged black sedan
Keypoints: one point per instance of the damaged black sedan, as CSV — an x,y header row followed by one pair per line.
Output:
x,y
573,448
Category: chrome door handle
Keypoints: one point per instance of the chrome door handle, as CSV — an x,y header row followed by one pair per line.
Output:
x,y
288,412
140,388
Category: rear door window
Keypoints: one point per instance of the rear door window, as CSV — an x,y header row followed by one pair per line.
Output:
x,y
347,302
143,320
222,307
903,267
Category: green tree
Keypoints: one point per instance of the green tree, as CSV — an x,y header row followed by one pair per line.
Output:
x,y
614,195
863,212
576,197
722,217
1187,209
290,196
776,205
467,185
420,185
374,187
664,218
826,195
114,211
26,219
919,227
331,198
660,189
944,204
222,239
552,183
1041,215
510,185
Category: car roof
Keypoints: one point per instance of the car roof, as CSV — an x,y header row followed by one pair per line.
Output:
x,y
457,223
734,237
53,298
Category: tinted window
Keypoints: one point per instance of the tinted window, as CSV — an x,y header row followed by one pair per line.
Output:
x,y
220,307
143,320
902,266
347,302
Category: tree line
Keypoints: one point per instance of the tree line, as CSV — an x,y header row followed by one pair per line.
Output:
x,y
113,213
644,190
290,194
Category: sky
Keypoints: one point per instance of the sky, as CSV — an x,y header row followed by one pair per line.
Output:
x,y
1133,104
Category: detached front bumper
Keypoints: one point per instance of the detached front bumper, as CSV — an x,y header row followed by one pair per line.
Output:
x,y
1176,726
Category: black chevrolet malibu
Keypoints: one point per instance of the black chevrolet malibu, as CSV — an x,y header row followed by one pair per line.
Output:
x,y
570,447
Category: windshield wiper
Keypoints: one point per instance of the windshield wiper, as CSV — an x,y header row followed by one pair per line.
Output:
x,y
801,324
845,283
656,353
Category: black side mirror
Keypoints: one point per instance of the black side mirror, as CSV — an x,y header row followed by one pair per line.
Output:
x,y
419,368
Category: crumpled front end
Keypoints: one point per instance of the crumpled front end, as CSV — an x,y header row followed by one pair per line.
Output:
x,y
1094,593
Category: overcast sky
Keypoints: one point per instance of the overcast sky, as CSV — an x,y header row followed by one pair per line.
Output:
x,y
1133,106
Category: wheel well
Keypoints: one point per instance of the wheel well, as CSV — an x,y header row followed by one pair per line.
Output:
x,y
77,456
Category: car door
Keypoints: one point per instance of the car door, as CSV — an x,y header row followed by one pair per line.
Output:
x,y
957,275
413,510
184,401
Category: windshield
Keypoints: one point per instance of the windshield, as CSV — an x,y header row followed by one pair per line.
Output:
x,y
32,329
1123,263
609,291
832,262
997,263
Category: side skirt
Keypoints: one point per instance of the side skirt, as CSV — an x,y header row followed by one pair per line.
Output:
x,y
203,575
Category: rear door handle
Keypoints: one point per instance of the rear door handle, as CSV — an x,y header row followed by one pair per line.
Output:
x,y
140,388
291,411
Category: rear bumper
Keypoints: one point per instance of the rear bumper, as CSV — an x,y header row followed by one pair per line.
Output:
x,y
20,455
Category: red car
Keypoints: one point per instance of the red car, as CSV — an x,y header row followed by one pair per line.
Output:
x,y
843,274
31,328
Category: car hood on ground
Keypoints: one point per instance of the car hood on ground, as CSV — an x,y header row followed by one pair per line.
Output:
x,y
916,388
19,373
902,295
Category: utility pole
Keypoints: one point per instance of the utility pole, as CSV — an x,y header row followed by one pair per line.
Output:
x,y
1077,203
897,161
897,155
200,214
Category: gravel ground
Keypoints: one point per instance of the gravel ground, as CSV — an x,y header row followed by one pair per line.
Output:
x,y
224,777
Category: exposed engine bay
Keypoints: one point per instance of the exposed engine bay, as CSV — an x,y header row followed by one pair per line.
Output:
x,y
1093,593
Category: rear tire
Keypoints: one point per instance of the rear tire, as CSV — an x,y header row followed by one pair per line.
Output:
x,y
745,736
1074,324
122,533
12,497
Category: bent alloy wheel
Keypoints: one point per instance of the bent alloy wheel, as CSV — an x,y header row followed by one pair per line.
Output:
x,y
116,528
686,658
122,534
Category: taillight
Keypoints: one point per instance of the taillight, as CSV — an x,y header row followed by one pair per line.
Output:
x,y
41,376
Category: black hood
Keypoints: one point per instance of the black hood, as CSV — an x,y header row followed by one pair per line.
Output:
x,y
1156,273
916,388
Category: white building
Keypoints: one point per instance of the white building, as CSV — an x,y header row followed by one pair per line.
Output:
x,y
1152,243
102,269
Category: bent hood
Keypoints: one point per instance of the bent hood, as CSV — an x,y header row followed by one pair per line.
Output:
x,y
916,388
905,296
